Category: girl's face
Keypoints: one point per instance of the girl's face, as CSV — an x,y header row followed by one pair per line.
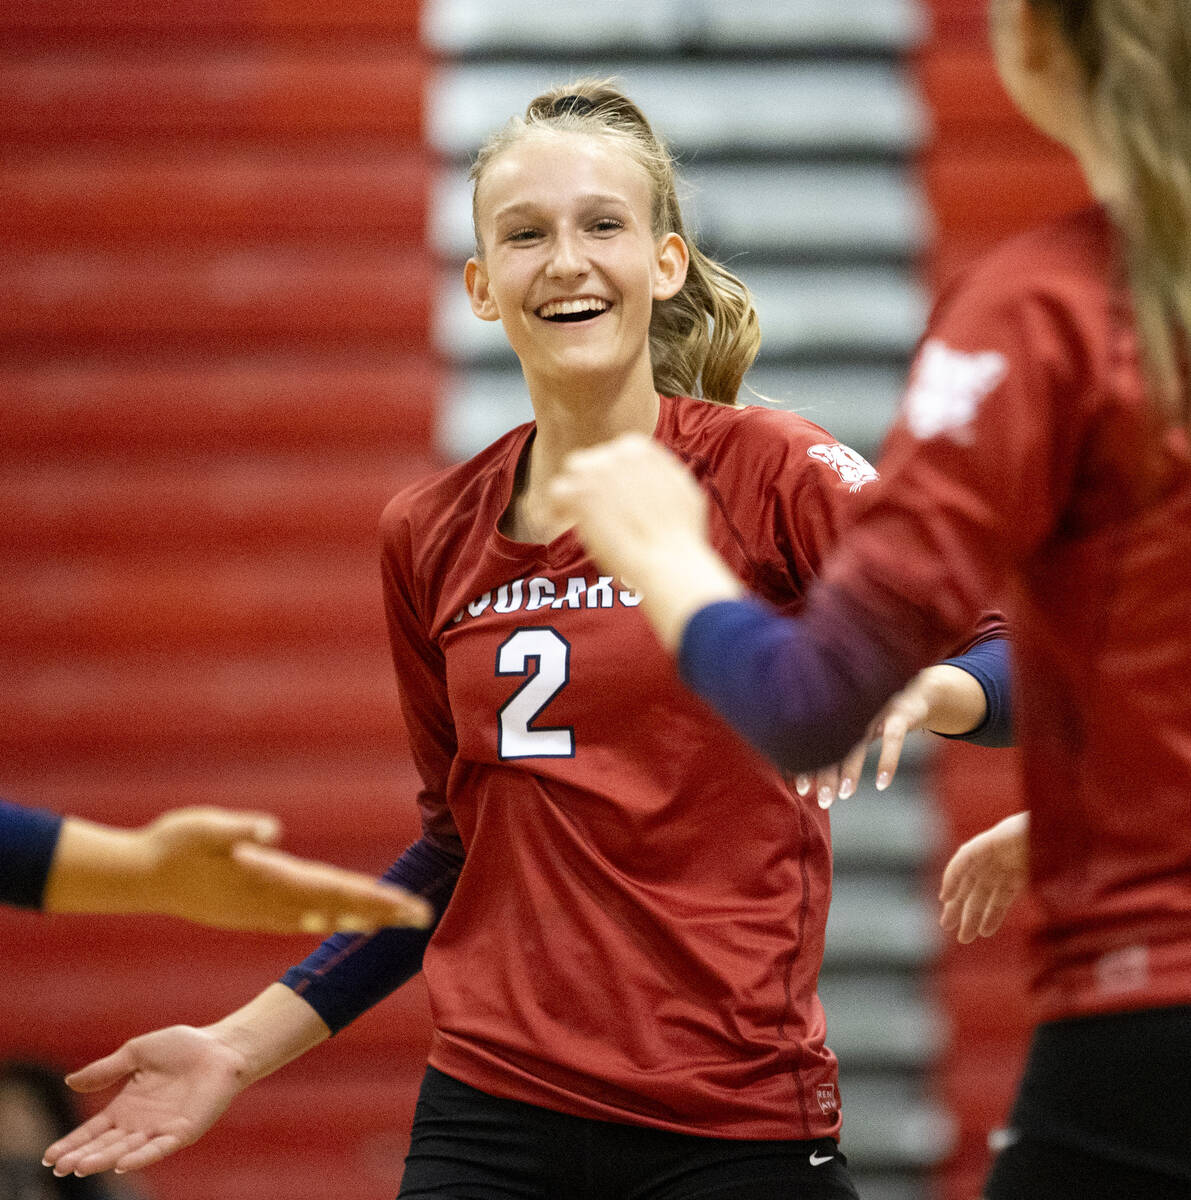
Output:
x,y
570,265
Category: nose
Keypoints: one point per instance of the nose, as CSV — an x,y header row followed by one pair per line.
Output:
x,y
568,258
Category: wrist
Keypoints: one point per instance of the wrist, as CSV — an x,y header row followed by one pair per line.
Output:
x,y
97,868
677,581
269,1031
955,701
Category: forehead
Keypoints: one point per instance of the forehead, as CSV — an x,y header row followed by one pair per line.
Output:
x,y
547,168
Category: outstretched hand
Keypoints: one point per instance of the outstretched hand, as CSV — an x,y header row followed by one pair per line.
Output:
x,y
175,1084
984,877
216,867
912,708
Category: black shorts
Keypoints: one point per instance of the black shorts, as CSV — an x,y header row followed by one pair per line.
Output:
x,y
467,1145
1103,1111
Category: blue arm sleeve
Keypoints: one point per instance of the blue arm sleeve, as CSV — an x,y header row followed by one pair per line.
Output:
x,y
991,663
349,973
802,702
28,838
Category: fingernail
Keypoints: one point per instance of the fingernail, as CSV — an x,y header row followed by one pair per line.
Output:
x,y
846,789
802,784
883,780
313,922
268,829
826,796
45,1162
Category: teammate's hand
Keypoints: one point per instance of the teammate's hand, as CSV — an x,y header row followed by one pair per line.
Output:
x,y
984,877
176,1083
216,867
628,499
910,709
643,518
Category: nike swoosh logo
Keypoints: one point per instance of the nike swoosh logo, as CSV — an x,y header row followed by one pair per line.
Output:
x,y
816,1161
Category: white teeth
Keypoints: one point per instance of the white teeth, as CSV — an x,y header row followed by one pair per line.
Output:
x,y
561,308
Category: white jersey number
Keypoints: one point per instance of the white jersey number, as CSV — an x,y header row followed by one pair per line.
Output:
x,y
545,656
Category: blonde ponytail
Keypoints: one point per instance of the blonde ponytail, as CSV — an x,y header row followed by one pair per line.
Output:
x,y
704,339
1136,56
1143,102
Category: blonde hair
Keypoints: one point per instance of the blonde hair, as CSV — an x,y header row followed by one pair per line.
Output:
x,y
1136,55
704,339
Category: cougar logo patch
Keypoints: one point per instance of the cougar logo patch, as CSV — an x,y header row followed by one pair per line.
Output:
x,y
851,467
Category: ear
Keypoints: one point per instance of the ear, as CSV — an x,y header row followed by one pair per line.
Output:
x,y
475,279
673,259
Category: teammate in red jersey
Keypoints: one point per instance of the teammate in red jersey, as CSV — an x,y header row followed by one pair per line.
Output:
x,y
624,981
1043,442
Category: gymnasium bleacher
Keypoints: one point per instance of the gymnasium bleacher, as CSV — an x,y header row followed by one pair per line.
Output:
x,y
232,327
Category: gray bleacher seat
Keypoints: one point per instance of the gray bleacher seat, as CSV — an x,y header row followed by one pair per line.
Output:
x,y
473,27
720,108
880,918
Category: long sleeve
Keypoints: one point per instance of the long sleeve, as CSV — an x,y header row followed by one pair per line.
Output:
x,y
28,839
801,701
991,665
349,973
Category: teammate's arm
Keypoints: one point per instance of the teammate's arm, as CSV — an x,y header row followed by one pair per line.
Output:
x,y
204,864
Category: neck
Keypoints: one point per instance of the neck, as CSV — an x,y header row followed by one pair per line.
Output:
x,y
571,419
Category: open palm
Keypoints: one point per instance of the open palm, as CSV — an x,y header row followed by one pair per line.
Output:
x,y
176,1083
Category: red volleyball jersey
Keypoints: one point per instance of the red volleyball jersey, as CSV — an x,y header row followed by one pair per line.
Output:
x,y
637,930
1025,450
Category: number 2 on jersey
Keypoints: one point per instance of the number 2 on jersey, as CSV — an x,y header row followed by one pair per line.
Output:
x,y
545,656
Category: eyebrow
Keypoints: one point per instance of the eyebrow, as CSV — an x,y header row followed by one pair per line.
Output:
x,y
591,200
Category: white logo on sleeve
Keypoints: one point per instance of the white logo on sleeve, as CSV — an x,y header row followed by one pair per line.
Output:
x,y
948,387
817,1159
851,467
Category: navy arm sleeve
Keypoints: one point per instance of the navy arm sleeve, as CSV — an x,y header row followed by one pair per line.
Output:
x,y
28,839
349,973
991,664
802,701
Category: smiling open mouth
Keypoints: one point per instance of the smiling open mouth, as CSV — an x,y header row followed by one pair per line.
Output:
x,y
572,311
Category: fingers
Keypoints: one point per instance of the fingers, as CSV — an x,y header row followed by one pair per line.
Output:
x,y
101,1153
995,912
217,828
103,1072
975,906
827,786
851,769
96,1127
893,740
153,1151
315,897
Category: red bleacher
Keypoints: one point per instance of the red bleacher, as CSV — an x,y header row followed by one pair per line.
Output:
x,y
215,351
